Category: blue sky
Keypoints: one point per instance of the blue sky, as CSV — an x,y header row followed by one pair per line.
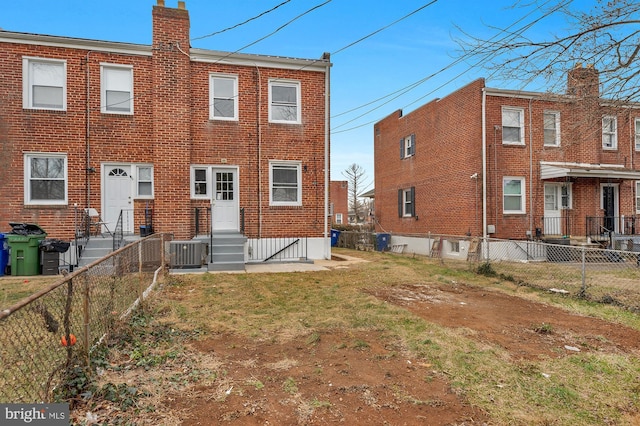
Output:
x,y
373,69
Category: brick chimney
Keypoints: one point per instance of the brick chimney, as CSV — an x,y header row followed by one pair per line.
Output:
x,y
171,117
583,82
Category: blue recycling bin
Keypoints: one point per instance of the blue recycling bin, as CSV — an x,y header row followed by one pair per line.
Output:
x,y
4,254
335,235
382,242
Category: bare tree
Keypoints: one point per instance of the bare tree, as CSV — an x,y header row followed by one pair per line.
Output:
x,y
606,37
356,176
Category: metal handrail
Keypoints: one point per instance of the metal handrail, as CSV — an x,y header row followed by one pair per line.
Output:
x,y
118,234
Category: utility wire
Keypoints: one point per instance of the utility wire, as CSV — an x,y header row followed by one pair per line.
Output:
x,y
242,23
414,85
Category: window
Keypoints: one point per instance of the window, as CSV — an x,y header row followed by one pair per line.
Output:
x,y
637,134
638,196
116,89
406,202
407,146
223,96
609,132
286,189
339,218
551,128
284,102
44,84
513,195
200,182
145,182
512,126
45,179
454,246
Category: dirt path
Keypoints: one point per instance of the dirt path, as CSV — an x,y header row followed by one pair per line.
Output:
x,y
351,379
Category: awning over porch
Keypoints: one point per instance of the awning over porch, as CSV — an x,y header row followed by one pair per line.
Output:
x,y
554,170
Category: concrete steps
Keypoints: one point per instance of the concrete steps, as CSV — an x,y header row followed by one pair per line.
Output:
x,y
95,249
227,252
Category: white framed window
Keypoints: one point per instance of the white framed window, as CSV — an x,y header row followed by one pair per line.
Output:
x,y
408,146
513,194
44,84
116,89
285,181
512,126
201,182
144,181
45,179
339,218
637,196
223,97
609,132
284,102
637,133
454,246
407,202
551,128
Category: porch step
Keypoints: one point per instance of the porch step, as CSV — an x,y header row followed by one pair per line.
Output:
x,y
95,249
226,252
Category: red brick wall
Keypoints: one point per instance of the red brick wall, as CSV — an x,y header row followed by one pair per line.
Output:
x,y
170,128
449,151
339,197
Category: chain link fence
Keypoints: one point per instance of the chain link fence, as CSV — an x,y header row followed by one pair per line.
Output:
x,y
56,329
565,267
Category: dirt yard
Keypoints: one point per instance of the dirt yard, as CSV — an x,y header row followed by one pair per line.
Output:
x,y
350,379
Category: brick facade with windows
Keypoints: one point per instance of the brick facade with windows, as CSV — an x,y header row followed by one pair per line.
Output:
x,y
339,199
160,132
512,164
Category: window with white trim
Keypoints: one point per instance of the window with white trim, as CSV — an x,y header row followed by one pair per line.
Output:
x,y
44,84
144,182
551,128
284,102
454,246
513,200
223,97
512,126
408,146
285,181
339,218
116,89
200,182
609,132
637,133
45,177
407,202
637,196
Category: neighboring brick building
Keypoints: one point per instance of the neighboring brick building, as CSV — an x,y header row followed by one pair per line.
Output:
x,y
167,128
511,164
339,199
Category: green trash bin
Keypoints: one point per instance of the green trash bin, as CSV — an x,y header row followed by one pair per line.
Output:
x,y
24,246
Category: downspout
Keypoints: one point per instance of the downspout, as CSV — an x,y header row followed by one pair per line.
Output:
x,y
327,82
484,163
259,136
87,168
530,167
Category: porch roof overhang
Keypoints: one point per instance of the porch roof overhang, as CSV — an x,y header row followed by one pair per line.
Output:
x,y
554,170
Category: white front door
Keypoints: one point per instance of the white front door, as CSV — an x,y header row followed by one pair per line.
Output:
x,y
225,206
118,197
552,221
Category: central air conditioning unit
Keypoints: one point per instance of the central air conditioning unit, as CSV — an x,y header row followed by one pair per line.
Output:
x,y
185,254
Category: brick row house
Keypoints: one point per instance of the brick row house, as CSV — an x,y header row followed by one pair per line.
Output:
x,y
198,141
512,164
339,190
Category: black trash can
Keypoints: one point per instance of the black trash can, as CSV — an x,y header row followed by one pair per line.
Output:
x,y
50,256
